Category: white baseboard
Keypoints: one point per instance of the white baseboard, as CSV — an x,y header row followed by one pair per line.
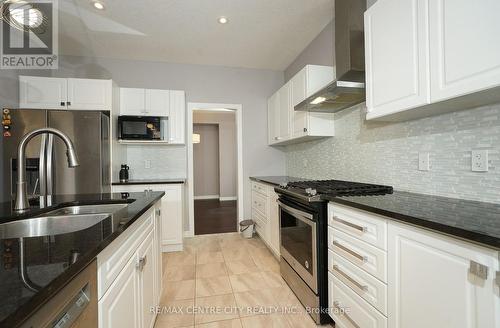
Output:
x,y
172,248
206,197
223,199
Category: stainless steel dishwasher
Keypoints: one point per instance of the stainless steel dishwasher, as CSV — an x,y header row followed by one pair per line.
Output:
x,y
73,306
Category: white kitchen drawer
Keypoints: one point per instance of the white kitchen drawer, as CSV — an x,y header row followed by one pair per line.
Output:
x,y
370,258
360,224
260,224
259,203
358,313
261,188
114,257
364,284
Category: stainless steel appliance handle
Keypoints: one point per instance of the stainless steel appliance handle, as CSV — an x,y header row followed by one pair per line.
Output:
x,y
345,275
349,224
50,163
350,251
73,310
302,216
43,166
336,305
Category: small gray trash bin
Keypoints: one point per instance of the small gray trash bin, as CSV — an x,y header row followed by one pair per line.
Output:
x,y
246,228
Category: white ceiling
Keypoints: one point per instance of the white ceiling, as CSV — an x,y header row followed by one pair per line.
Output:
x,y
264,34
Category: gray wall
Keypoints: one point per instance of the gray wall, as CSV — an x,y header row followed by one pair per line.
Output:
x,y
318,52
210,84
228,162
206,160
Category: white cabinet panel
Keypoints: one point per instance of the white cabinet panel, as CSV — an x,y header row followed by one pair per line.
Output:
x,y
397,48
273,119
285,110
117,309
132,101
300,121
274,224
430,284
89,94
157,102
177,118
42,92
172,216
146,258
465,47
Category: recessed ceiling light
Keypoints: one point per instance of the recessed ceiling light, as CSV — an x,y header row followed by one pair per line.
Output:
x,y
98,5
223,20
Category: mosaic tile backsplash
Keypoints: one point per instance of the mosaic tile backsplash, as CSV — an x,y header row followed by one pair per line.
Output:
x,y
167,162
387,153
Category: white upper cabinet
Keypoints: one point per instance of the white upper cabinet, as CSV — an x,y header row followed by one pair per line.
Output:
x,y
157,102
285,111
42,92
288,126
273,118
396,46
177,117
89,94
465,47
429,57
132,101
60,93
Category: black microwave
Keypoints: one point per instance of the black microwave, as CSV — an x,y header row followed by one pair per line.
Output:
x,y
139,128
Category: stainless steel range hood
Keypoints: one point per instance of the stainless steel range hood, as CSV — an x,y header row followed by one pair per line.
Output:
x,y
349,87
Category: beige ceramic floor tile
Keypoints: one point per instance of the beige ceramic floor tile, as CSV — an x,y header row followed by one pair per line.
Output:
x,y
179,290
176,273
235,254
235,323
210,270
176,314
301,320
204,257
265,321
213,286
273,279
247,281
215,308
256,302
179,258
267,263
261,252
243,266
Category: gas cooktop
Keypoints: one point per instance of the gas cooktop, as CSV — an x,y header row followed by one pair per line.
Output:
x,y
311,190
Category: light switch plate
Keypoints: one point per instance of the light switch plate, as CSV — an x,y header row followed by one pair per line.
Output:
x,y
423,161
147,164
479,161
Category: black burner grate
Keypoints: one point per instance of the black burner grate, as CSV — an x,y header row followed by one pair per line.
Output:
x,y
342,188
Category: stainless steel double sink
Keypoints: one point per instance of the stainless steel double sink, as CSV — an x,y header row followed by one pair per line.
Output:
x,y
59,221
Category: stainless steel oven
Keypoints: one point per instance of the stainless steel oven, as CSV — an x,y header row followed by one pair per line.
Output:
x,y
298,243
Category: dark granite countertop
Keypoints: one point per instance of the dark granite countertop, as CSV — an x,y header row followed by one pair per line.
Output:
x,y
473,221
149,181
47,257
469,220
276,180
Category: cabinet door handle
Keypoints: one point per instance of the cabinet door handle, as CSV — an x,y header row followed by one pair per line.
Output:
x,y
69,103
478,269
337,306
345,275
362,258
158,212
63,103
497,279
349,224
141,263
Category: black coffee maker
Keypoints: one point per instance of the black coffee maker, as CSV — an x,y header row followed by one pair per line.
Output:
x,y
124,173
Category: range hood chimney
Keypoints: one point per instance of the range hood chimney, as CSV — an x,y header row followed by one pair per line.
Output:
x,y
348,88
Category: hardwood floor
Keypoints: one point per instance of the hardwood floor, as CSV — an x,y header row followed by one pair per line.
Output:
x,y
213,216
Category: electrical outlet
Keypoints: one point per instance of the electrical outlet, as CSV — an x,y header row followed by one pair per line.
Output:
x,y
480,161
423,161
147,164
304,162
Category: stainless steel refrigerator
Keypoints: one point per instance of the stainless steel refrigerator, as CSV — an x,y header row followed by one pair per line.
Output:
x,y
47,168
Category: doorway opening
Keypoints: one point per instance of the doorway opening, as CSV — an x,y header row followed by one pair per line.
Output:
x,y
214,168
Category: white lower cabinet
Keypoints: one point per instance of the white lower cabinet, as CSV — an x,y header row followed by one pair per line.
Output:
x,y
129,283
265,214
389,274
171,212
430,283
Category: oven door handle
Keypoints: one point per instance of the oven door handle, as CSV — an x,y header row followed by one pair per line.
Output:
x,y
301,215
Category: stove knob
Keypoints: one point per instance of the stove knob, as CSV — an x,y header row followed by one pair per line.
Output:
x,y
284,185
311,192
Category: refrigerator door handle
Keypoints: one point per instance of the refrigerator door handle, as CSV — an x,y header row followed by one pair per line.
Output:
x,y
43,166
50,162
